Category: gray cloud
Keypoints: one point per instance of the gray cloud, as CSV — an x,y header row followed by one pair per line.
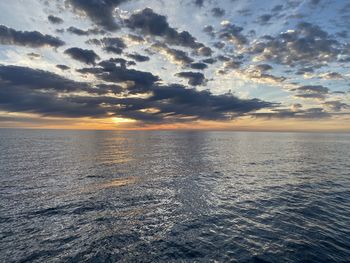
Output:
x,y
9,36
176,55
198,65
233,33
218,12
63,67
99,11
80,32
194,78
55,19
311,113
307,44
109,44
311,92
86,56
153,24
30,90
336,105
138,57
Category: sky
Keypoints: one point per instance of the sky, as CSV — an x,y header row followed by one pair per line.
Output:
x,y
186,64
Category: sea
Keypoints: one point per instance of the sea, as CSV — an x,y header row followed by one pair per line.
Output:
x,y
174,196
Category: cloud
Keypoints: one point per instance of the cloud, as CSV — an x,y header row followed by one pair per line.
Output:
x,y
36,79
311,92
233,34
80,32
110,44
307,44
138,57
312,89
63,67
36,91
33,55
101,12
55,19
194,78
311,113
218,12
209,29
153,24
332,76
209,60
175,55
140,81
199,3
263,67
9,36
198,65
264,19
203,51
336,105
178,100
86,56
24,89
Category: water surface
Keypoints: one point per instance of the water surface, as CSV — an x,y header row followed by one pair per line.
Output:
x,y
100,196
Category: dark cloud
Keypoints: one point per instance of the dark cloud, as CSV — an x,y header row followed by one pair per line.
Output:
x,y
102,89
223,58
9,36
312,89
307,44
194,78
219,44
264,19
178,100
62,67
80,32
100,12
233,33
86,56
36,79
318,96
140,81
36,91
198,65
138,57
109,44
209,30
199,3
55,19
150,23
311,92
263,67
217,12
209,61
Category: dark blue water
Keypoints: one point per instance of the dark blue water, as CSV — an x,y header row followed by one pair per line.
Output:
x,y
96,196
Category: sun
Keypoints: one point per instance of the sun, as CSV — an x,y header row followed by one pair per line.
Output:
x,y
122,120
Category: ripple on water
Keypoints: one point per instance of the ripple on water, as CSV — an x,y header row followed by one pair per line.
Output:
x,y
174,196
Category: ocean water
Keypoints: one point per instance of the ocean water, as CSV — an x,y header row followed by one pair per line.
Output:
x,y
103,196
